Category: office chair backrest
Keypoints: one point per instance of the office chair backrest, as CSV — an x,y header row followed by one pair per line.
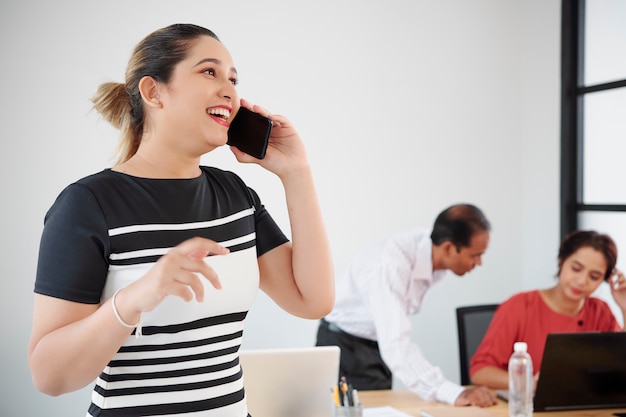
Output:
x,y
472,323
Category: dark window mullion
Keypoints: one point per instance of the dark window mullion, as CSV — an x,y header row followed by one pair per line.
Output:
x,y
602,87
572,36
601,207
573,93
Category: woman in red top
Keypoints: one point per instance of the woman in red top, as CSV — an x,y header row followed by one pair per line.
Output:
x,y
586,259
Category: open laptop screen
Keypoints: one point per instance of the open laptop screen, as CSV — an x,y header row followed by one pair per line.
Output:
x,y
581,371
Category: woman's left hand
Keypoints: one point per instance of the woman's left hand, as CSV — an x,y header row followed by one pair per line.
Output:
x,y
285,151
298,275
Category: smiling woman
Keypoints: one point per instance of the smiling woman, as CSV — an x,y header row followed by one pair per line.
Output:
x,y
175,71
170,250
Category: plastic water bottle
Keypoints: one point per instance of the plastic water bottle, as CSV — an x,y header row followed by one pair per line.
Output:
x,y
520,382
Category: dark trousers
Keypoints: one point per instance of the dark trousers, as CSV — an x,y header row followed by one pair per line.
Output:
x,y
360,361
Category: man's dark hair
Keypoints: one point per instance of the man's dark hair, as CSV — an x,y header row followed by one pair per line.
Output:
x,y
457,224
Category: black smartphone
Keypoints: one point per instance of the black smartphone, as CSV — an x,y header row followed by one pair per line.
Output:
x,y
250,132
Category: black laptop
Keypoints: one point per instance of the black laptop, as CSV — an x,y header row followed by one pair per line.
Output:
x,y
582,371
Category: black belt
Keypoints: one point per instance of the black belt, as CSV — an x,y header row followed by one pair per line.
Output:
x,y
332,327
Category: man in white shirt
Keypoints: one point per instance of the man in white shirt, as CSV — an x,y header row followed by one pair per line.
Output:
x,y
383,286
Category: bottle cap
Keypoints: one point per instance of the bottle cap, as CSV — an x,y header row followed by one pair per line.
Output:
x,y
520,347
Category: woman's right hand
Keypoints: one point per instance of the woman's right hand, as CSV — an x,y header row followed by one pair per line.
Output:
x,y
177,273
61,329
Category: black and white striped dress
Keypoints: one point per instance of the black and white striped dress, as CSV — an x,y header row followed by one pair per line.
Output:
x,y
107,230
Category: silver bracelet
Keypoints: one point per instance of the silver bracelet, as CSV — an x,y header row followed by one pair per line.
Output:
x,y
136,326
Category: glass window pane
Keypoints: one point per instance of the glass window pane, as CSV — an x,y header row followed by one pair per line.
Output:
x,y
604,147
613,224
605,41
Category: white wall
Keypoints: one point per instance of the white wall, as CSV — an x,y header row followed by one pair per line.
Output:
x,y
406,107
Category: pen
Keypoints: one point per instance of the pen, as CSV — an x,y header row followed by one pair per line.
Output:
x,y
340,395
355,397
335,392
344,389
347,392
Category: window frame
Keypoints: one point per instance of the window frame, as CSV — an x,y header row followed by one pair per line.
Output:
x,y
573,92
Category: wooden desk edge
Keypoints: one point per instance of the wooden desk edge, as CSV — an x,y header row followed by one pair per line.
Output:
x,y
408,402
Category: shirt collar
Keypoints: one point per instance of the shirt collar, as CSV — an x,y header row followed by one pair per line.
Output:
x,y
423,269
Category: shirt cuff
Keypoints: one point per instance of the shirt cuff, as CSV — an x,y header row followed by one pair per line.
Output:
x,y
448,392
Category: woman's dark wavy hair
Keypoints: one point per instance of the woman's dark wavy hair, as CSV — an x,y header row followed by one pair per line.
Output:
x,y
592,239
457,224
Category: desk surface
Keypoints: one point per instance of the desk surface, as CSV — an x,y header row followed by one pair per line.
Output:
x,y
410,403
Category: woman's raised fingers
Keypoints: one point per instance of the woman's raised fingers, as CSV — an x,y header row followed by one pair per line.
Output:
x,y
199,247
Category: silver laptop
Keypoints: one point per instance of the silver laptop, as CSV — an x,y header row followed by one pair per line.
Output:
x,y
290,382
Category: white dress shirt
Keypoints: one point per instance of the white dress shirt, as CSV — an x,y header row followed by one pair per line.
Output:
x,y
381,288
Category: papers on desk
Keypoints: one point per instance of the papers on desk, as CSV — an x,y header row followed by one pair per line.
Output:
x,y
437,411
383,412
452,411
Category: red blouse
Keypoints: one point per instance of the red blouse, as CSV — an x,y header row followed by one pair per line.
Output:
x,y
525,317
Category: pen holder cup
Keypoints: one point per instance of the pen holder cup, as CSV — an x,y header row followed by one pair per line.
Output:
x,y
354,411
